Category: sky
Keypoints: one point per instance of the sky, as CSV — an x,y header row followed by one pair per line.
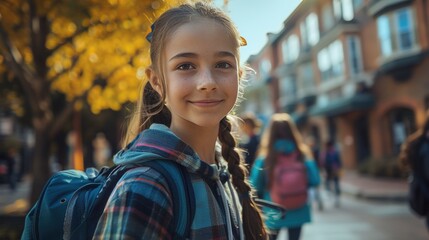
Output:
x,y
255,18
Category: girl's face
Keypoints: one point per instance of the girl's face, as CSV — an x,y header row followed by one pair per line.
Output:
x,y
201,73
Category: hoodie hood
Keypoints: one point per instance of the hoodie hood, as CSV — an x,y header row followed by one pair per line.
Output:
x,y
284,146
159,142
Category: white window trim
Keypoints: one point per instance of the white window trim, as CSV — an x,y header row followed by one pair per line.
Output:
x,y
396,49
313,36
331,63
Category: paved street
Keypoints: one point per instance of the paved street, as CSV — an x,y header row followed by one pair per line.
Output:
x,y
12,202
359,219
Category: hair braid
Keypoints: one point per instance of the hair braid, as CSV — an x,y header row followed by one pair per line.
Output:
x,y
252,220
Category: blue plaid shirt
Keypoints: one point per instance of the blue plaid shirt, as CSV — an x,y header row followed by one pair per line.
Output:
x,y
140,206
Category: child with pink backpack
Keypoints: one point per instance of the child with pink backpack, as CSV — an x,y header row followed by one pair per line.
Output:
x,y
283,173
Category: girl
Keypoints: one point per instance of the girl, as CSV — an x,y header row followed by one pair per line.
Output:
x,y
250,127
415,159
281,137
193,83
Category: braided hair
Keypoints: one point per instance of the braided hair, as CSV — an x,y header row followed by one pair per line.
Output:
x,y
252,220
152,109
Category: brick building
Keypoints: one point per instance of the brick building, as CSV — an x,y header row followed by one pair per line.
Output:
x,y
356,71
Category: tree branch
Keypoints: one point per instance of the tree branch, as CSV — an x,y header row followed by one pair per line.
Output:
x,y
67,40
64,115
61,118
15,61
74,62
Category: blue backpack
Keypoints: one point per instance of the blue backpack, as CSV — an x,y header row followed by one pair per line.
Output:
x,y
72,201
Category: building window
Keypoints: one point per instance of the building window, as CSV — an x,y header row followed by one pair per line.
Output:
x,y
337,8
290,49
343,9
355,56
384,35
305,79
324,63
402,122
264,68
405,33
328,18
310,31
396,31
330,61
287,90
313,26
337,57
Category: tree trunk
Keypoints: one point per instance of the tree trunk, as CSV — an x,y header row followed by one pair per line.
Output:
x,y
40,170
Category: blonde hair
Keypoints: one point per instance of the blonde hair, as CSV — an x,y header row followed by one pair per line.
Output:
x,y
281,126
151,107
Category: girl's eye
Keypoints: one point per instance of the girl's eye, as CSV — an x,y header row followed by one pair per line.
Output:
x,y
186,66
224,65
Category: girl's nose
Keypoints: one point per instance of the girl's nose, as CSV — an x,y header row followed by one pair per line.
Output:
x,y
207,81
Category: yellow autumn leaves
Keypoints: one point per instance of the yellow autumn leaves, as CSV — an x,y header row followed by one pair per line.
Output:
x,y
96,48
105,62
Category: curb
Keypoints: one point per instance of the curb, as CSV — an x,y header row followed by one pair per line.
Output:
x,y
360,193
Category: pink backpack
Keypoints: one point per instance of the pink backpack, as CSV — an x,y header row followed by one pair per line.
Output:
x,y
289,187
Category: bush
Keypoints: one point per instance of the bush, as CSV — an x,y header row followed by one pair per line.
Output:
x,y
387,167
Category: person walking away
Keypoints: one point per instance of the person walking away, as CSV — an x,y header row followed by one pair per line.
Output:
x,y
332,164
184,116
315,150
102,151
415,158
250,126
283,173
10,155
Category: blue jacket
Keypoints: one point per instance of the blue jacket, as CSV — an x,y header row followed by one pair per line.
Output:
x,y
293,218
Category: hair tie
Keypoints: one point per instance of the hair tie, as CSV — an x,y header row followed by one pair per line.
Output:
x,y
224,176
149,35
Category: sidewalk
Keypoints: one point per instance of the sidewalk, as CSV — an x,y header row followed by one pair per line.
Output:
x,y
373,188
15,202
351,183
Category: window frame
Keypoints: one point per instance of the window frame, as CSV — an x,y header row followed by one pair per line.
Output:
x,y
394,32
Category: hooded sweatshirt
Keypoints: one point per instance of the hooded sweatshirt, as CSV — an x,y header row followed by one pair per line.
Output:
x,y
141,207
258,178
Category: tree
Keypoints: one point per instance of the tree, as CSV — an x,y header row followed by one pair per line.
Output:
x,y
91,51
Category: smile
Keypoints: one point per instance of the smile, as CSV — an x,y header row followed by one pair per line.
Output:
x,y
206,103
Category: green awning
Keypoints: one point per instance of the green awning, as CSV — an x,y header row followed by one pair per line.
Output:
x,y
357,102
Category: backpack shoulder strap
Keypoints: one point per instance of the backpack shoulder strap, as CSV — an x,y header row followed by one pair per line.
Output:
x,y
180,185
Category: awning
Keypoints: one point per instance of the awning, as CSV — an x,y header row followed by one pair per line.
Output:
x,y
402,68
357,102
